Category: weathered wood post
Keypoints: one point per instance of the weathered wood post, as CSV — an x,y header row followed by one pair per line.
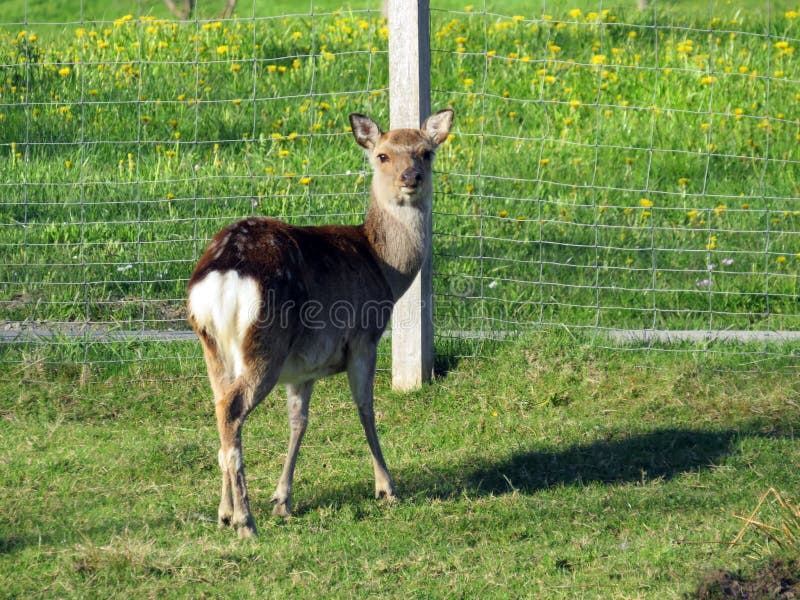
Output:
x,y
409,105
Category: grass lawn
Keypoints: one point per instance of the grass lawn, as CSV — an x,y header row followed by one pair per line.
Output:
x,y
548,469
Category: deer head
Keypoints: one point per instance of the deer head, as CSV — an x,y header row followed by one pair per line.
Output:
x,y
401,159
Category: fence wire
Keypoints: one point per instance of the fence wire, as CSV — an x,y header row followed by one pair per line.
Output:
x,y
612,170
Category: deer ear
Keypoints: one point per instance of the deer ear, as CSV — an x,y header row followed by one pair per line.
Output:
x,y
365,130
437,126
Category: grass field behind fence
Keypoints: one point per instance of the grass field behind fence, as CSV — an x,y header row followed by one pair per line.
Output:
x,y
603,171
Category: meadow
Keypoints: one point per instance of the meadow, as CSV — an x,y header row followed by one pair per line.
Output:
x,y
609,169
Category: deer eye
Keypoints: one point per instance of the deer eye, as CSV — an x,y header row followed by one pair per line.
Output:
x,y
383,158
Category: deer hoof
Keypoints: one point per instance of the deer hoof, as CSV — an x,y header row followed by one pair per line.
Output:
x,y
387,496
282,508
247,531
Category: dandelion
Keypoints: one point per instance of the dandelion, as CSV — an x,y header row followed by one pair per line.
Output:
x,y
646,203
222,49
574,103
683,181
305,180
707,80
502,214
468,82
598,59
719,209
780,260
64,71
575,13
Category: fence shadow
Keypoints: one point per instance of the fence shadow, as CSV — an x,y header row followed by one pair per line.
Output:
x,y
662,454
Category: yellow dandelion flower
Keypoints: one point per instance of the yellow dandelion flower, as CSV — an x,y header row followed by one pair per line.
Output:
x,y
598,59
646,203
305,180
575,13
502,214
780,260
574,103
223,49
683,181
692,214
64,71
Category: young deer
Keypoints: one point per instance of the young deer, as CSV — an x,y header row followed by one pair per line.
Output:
x,y
275,303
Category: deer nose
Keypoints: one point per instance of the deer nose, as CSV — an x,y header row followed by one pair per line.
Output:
x,y
411,177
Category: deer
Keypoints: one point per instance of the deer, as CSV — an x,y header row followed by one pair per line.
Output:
x,y
275,303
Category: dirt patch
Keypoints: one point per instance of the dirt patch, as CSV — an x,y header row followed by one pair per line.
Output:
x,y
780,580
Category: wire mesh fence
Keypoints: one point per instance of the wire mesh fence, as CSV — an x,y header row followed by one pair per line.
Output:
x,y
612,169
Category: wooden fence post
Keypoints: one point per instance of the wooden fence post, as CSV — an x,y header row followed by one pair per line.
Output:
x,y
409,104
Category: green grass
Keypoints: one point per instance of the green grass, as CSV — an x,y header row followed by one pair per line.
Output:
x,y
549,469
597,168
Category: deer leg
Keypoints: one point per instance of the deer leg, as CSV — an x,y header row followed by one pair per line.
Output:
x,y
232,410
234,507
297,399
361,375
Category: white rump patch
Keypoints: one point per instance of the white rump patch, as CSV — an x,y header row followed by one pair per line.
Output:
x,y
226,306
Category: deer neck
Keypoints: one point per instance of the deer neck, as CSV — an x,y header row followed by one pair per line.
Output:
x,y
397,234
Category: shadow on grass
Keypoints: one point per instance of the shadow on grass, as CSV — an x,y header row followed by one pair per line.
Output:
x,y
662,454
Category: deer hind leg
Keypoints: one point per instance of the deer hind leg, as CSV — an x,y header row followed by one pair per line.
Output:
x,y
297,399
361,376
232,410
220,387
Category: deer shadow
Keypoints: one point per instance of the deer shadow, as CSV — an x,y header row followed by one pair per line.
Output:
x,y
661,454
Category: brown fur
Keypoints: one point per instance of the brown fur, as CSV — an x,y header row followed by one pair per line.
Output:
x,y
348,276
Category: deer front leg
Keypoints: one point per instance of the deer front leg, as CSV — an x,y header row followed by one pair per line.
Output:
x,y
297,399
361,375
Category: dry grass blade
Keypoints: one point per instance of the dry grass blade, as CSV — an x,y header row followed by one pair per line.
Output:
x,y
789,527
